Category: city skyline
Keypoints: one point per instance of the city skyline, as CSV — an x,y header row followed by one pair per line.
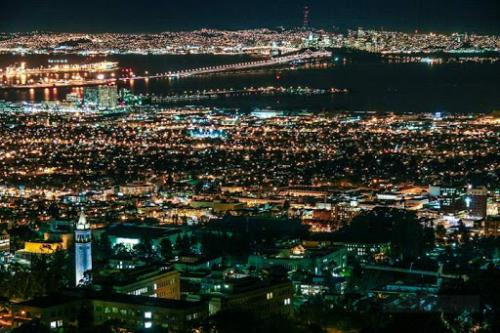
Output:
x,y
151,16
286,166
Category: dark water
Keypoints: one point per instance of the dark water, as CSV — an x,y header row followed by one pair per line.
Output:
x,y
374,84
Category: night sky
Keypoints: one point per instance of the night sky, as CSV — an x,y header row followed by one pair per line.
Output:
x,y
482,16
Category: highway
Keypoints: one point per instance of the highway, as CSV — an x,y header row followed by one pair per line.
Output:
x,y
304,56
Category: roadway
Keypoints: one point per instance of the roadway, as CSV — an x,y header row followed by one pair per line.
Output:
x,y
304,56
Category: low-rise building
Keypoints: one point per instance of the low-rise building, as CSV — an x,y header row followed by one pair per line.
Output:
x,y
248,294
145,281
133,313
130,235
4,242
43,247
188,264
137,189
368,251
314,260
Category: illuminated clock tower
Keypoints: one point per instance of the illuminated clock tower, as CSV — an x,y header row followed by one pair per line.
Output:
x,y
83,252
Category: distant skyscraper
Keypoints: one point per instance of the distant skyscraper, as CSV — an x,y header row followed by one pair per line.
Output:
x,y
83,252
102,97
450,198
476,201
306,17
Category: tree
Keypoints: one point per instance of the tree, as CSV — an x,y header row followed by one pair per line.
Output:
x,y
409,238
440,232
121,250
183,243
166,249
53,210
463,232
102,248
47,274
145,248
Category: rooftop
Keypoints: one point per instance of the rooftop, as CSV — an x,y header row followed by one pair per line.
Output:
x,y
85,295
123,278
134,231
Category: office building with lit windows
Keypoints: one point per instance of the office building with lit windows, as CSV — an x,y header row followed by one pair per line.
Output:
x,y
476,202
101,97
144,281
261,297
132,313
4,242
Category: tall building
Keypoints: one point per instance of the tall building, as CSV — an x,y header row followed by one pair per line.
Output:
x,y
450,198
476,202
83,252
101,97
4,241
492,227
306,17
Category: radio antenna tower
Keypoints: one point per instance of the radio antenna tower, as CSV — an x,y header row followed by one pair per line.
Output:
x,y
306,17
